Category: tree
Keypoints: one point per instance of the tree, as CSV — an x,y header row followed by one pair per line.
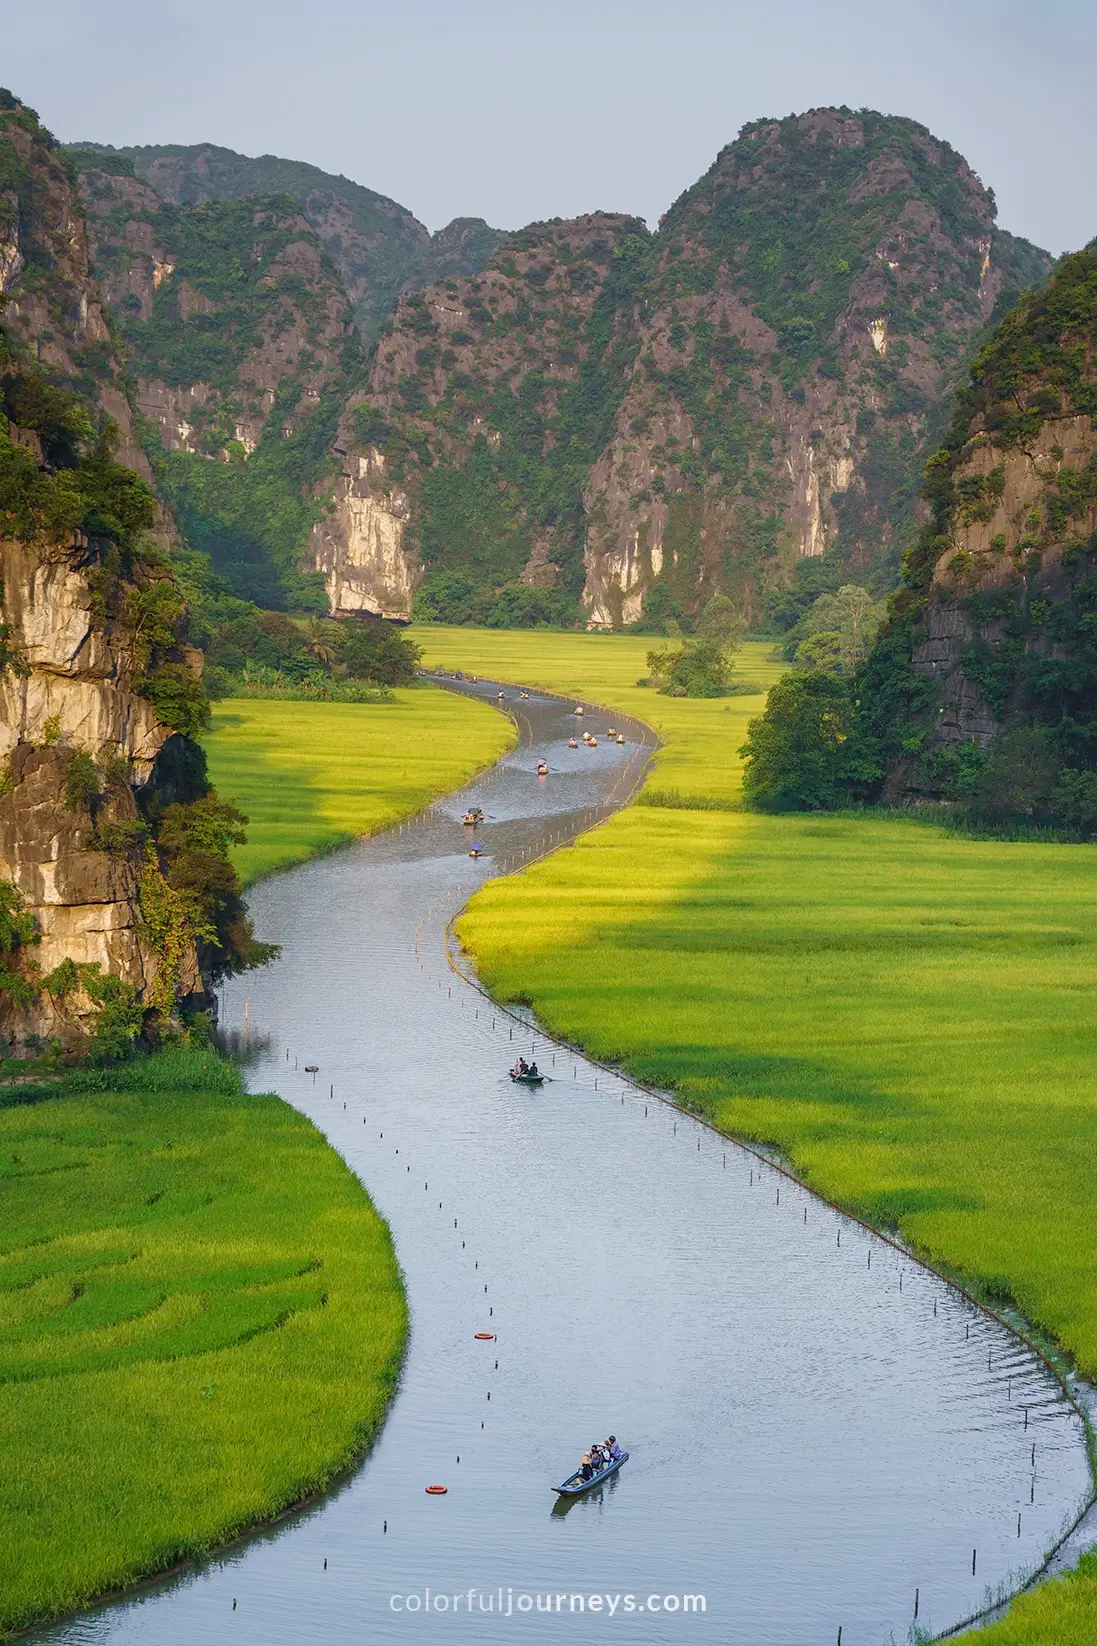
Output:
x,y
793,752
837,631
720,621
700,668
375,650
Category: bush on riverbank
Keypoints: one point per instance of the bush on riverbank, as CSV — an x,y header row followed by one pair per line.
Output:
x,y
202,1322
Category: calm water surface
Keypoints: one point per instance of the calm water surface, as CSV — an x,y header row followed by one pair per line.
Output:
x,y
814,1436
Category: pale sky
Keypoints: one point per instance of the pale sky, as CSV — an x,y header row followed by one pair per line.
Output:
x,y
516,112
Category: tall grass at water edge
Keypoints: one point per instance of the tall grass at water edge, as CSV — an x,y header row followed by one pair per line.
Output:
x,y
201,1322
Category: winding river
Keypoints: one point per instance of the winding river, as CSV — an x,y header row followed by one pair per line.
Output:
x,y
819,1428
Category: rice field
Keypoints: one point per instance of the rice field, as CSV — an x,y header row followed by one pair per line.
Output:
x,y
701,737
909,1015
312,776
201,1322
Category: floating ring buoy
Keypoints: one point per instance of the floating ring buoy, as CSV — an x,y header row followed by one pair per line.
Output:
x,y
437,1491
485,1337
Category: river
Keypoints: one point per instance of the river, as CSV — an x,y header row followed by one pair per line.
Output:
x,y
819,1428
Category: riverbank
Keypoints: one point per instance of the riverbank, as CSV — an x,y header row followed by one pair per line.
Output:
x,y
312,776
909,1015
202,1319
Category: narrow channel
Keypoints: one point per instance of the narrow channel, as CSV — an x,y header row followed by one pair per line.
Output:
x,y
818,1428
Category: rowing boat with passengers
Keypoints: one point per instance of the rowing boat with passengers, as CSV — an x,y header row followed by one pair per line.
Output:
x,y
575,1485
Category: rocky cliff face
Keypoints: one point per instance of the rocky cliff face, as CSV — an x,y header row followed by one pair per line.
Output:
x,y
993,628
77,864
765,389
97,684
488,400
378,247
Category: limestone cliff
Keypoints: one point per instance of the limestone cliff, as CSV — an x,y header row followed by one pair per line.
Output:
x,y
359,544
694,412
993,628
99,690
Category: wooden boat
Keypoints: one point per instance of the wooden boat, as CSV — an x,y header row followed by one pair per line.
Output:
x,y
575,1485
527,1079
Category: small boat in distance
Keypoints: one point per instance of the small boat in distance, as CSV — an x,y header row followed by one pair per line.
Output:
x,y
475,849
575,1485
527,1079
573,742
474,815
542,768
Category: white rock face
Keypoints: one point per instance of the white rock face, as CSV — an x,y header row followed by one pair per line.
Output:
x,y
359,546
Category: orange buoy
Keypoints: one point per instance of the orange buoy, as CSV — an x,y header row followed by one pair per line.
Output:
x,y
485,1337
437,1491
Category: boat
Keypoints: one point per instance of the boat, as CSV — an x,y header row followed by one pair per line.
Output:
x,y
612,732
542,768
620,739
579,709
575,1485
527,1079
475,850
474,815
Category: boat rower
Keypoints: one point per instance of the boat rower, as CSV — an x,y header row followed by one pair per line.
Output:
x,y
615,1452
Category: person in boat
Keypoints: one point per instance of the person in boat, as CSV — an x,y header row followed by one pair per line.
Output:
x,y
533,1070
521,1067
614,1451
573,743
586,1469
597,1460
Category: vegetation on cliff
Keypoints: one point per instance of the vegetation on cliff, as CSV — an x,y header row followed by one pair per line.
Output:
x,y
981,688
378,247
759,381
93,622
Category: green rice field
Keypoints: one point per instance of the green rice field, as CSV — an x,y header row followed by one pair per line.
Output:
x,y
910,1015
311,776
201,1322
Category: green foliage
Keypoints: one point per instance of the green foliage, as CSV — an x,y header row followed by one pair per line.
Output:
x,y
837,630
720,620
197,895
83,782
799,755
700,668
378,652
18,933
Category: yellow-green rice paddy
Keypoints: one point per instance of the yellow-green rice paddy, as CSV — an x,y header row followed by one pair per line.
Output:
x,y
311,776
201,1321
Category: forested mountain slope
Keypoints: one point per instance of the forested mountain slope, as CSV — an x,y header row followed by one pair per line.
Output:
x,y
378,247
601,425
983,687
767,375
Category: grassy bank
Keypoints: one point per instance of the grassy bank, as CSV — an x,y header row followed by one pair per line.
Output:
x,y
909,1014
201,1321
311,776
